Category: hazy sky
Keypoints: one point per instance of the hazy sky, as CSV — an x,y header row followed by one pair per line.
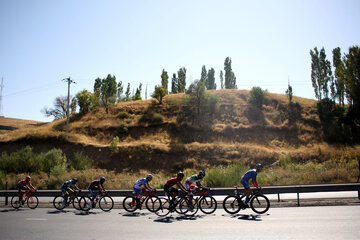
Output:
x,y
43,42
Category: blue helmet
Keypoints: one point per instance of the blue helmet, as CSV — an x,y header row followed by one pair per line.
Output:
x,y
102,179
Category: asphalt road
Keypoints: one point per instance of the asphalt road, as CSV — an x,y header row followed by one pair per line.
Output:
x,y
330,222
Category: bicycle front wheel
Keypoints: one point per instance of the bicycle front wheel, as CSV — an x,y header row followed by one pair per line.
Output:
x,y
164,208
150,203
58,202
231,204
106,203
85,203
76,203
129,204
260,204
15,202
32,202
208,204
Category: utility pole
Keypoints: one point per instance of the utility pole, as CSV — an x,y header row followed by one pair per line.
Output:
x,y
69,81
1,95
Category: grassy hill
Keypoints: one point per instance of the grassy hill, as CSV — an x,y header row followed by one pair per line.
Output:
x,y
152,138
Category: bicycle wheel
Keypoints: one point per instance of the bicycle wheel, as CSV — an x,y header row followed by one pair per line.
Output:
x,y
58,202
188,209
150,204
231,204
15,202
129,203
32,202
164,204
177,205
260,204
84,203
76,203
106,203
208,204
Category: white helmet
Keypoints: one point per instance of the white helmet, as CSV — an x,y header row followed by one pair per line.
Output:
x,y
149,176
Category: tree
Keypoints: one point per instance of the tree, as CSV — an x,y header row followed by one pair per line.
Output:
x,y
60,108
257,97
222,79
174,84
108,91
320,73
203,77
159,93
210,79
164,80
230,79
181,80
127,93
85,100
137,95
352,79
97,86
339,75
119,91
289,92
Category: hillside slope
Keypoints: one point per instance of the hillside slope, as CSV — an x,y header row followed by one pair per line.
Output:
x,y
236,132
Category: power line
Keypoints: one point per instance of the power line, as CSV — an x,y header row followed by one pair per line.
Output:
x,y
69,81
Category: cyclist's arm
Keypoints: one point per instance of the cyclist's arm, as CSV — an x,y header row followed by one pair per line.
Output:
x,y
179,184
76,187
147,186
255,183
32,187
102,189
199,184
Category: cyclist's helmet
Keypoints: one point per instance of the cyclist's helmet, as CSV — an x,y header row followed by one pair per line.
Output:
x,y
102,179
201,174
149,176
180,175
259,166
28,178
74,180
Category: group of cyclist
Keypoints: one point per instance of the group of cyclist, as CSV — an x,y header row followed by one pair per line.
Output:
x,y
172,187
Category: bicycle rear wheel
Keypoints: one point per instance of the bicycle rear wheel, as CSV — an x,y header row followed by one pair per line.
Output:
x,y
58,202
15,202
150,203
85,203
208,204
164,208
231,204
129,204
32,202
260,204
106,203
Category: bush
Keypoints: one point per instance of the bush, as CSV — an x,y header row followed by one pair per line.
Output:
x,y
151,118
51,159
122,131
113,145
225,176
81,161
257,96
123,115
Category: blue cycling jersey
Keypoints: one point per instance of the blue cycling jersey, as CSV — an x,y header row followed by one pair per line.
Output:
x,y
251,174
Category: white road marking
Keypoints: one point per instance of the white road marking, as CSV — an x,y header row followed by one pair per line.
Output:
x,y
36,219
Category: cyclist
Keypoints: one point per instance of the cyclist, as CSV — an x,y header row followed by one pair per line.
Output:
x,y
96,186
171,190
141,186
192,188
251,174
68,188
23,186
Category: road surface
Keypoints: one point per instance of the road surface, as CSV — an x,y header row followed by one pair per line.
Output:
x,y
330,222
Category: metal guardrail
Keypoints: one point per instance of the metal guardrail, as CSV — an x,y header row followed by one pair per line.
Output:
x,y
225,191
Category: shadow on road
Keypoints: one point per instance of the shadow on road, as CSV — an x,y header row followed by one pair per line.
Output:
x,y
248,217
171,219
12,210
57,211
134,214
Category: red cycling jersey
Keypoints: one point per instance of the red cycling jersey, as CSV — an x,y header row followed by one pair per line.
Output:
x,y
171,182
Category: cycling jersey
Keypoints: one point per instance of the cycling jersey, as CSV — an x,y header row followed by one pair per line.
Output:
x,y
171,182
22,184
251,174
95,184
192,179
141,182
68,183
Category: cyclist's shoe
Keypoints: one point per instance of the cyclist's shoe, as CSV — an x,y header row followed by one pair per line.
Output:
x,y
63,203
91,205
191,208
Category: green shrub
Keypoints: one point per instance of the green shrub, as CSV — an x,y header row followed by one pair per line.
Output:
x,y
51,159
123,115
257,96
151,118
221,176
58,170
113,145
81,161
285,161
122,131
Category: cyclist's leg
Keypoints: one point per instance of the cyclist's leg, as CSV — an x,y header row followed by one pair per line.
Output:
x,y
138,191
247,191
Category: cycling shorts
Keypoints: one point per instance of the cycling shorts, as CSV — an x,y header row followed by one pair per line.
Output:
x,y
190,187
64,189
245,184
20,189
138,189
170,190
92,192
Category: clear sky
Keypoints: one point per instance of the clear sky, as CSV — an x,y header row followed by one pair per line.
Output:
x,y
43,42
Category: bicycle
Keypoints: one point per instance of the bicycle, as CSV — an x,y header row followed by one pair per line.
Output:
x,y
74,198
182,204
31,200
106,203
258,202
150,199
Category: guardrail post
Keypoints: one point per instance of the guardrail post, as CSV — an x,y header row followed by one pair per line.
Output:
x,y
278,197
298,199
359,194
6,197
